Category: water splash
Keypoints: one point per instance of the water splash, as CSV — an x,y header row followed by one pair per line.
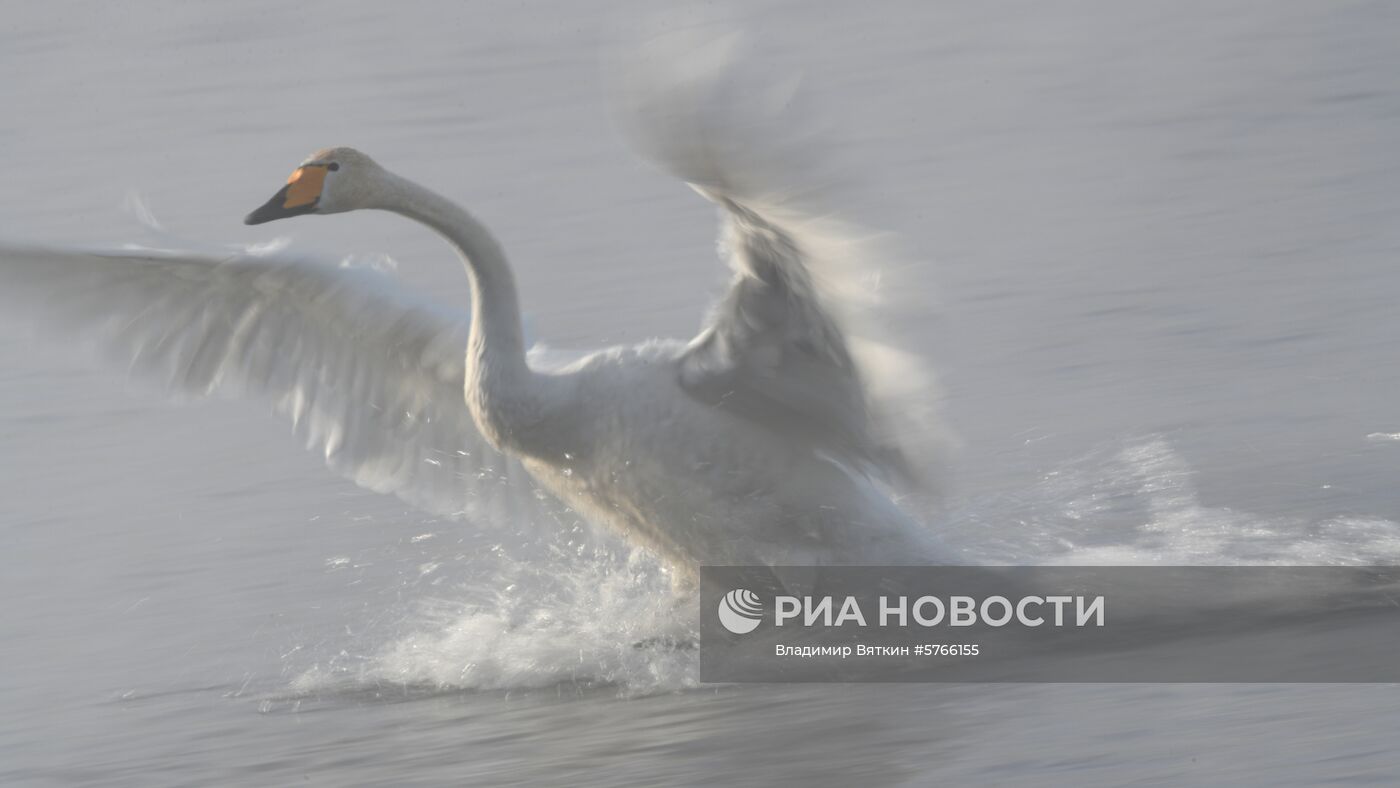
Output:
x,y
1138,505
579,611
546,614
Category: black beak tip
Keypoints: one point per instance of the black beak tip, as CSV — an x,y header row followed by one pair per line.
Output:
x,y
275,208
272,209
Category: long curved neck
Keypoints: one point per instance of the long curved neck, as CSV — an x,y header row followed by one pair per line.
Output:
x,y
501,390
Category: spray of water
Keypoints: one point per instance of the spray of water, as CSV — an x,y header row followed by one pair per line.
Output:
x,y
579,612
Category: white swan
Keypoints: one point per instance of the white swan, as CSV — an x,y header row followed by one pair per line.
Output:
x,y
767,439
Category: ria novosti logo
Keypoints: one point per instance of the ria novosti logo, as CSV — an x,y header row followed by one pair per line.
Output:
x,y
740,611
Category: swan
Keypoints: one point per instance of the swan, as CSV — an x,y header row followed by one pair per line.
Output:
x,y
769,438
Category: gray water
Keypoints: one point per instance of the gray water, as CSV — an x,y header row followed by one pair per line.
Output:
x,y
1160,294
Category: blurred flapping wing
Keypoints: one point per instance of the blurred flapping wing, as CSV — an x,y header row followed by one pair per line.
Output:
x,y
800,342
371,376
784,348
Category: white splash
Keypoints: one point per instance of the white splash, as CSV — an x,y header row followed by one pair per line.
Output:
x,y
579,618
573,614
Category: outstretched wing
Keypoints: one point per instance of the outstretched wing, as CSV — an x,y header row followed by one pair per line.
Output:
x,y
778,348
771,352
798,343
371,376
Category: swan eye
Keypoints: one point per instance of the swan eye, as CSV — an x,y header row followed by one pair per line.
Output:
x,y
333,166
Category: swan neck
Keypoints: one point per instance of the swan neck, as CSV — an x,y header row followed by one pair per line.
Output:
x,y
503,394
495,326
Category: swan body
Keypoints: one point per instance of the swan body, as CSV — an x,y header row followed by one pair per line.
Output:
x,y
763,440
700,486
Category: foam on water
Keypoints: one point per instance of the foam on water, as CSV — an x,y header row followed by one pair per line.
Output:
x,y
572,613
553,612
608,626
1138,504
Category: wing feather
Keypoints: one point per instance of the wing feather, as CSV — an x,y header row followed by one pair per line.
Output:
x,y
370,375
799,342
794,345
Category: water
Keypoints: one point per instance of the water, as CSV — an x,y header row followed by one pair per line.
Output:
x,y
1161,298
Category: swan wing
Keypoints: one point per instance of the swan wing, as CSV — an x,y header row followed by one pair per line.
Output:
x,y
800,341
770,352
776,349
371,376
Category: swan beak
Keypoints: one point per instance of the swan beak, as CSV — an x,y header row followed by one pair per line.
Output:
x,y
299,196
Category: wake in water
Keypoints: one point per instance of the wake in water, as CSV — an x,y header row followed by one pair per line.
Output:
x,y
1138,505
572,613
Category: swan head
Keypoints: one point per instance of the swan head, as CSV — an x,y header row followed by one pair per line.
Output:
x,y
333,180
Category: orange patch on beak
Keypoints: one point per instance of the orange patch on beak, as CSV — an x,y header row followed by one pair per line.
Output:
x,y
304,187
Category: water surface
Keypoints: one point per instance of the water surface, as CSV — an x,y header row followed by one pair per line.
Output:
x,y
1160,293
